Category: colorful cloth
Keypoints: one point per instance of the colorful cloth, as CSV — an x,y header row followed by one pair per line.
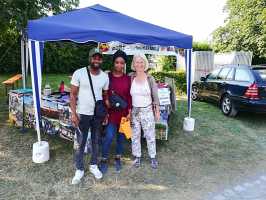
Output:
x,y
143,118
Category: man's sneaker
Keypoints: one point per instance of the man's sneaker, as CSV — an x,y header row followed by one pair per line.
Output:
x,y
96,172
78,176
103,166
136,162
118,164
154,163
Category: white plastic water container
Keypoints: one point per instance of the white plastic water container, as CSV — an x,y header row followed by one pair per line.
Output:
x,y
189,124
47,90
40,152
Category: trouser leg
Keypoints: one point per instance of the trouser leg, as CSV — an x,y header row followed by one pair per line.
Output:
x,y
148,126
95,134
110,132
136,133
120,139
81,137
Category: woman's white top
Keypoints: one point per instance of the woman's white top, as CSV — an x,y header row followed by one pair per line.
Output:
x,y
141,94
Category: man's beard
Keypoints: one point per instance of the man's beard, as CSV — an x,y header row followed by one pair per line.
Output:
x,y
97,66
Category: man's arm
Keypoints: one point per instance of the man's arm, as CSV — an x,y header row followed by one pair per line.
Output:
x,y
105,93
106,99
107,104
73,104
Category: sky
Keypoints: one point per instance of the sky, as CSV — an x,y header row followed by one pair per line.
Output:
x,y
198,18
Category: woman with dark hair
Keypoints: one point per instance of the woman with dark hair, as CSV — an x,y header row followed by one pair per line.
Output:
x,y
120,87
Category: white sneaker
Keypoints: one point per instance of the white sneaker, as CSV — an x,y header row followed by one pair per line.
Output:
x,y
78,176
96,172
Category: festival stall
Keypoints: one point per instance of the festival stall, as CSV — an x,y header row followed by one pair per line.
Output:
x,y
56,113
99,24
55,108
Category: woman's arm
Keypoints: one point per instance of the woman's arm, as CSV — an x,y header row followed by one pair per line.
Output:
x,y
155,98
154,91
129,98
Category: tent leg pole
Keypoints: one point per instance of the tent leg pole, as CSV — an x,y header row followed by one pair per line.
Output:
x,y
26,62
22,51
40,149
189,123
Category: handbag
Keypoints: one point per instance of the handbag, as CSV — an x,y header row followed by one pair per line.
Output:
x,y
125,127
100,110
116,101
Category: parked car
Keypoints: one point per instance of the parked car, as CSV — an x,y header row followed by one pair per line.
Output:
x,y
234,88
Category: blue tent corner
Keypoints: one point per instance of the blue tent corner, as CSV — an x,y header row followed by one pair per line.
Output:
x,y
100,24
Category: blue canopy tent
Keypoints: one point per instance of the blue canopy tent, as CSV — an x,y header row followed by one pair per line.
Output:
x,y
99,24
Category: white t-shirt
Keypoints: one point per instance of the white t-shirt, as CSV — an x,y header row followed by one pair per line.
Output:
x,y
85,103
141,94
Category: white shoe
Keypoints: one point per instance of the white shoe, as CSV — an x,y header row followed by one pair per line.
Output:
x,y
78,176
96,172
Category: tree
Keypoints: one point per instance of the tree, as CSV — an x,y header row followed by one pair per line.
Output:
x,y
244,29
167,63
201,46
14,15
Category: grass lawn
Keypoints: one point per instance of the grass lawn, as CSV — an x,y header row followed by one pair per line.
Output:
x,y
221,152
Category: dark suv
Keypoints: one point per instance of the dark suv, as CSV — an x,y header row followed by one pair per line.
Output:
x,y
235,88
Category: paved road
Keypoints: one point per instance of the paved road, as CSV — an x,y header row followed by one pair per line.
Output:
x,y
254,189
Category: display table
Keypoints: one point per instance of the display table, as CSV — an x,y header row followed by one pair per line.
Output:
x,y
56,114
161,126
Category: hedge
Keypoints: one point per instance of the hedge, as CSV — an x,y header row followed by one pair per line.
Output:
x,y
179,76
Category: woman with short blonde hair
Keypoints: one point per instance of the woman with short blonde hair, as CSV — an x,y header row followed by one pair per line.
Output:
x,y
145,60
145,109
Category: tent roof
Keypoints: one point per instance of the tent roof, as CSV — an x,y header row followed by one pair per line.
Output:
x,y
101,24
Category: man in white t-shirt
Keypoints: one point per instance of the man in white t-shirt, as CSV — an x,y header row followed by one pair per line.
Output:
x,y
82,106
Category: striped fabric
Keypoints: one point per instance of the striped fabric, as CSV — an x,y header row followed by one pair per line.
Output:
x,y
188,55
36,59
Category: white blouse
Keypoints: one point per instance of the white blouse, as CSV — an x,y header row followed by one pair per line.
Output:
x,y
141,94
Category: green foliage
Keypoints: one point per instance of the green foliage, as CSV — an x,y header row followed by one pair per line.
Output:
x,y
167,63
245,29
201,46
65,57
14,15
179,76
160,126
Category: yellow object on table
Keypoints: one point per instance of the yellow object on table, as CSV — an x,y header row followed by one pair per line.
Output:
x,y
125,127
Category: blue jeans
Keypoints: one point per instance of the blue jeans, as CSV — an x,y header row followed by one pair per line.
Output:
x,y
87,122
110,131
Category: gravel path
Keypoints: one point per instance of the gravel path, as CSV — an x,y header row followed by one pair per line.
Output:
x,y
254,189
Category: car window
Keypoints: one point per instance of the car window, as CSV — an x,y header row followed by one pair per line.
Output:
x,y
230,75
261,73
223,73
242,75
213,74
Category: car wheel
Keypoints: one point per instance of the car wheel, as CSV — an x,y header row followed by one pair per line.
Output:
x,y
195,93
227,107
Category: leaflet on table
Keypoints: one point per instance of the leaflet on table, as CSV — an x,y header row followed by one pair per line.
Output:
x,y
164,96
